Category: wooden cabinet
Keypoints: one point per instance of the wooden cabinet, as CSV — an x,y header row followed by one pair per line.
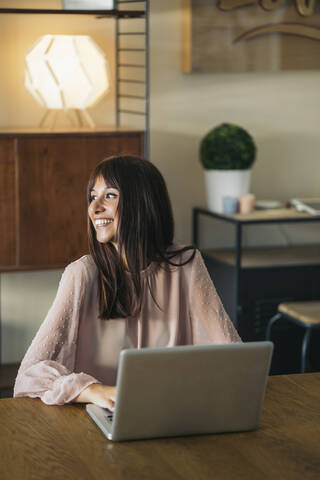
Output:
x,y
43,180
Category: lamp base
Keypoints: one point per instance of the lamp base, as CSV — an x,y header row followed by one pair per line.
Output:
x,y
77,117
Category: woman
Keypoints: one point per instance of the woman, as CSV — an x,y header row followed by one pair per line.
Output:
x,y
135,289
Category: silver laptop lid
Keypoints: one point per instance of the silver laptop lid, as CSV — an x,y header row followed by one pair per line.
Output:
x,y
187,390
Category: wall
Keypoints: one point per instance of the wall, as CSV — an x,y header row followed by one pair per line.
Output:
x,y
281,110
25,300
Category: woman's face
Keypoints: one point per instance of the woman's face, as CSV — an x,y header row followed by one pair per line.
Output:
x,y
103,210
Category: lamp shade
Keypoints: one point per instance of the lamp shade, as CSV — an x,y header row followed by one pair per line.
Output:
x,y
66,72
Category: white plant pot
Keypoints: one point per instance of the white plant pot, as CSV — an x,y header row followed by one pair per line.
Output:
x,y
221,183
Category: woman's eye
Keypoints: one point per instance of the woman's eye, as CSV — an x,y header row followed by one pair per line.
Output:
x,y
108,196
111,195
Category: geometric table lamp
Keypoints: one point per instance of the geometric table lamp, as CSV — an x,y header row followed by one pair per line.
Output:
x,y
66,72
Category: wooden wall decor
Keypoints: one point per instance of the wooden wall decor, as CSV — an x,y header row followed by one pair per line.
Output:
x,y
251,35
43,180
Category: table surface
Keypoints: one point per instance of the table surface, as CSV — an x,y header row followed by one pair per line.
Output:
x,y
274,214
263,216
62,442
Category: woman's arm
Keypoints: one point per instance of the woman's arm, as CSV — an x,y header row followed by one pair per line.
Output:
x,y
47,370
209,321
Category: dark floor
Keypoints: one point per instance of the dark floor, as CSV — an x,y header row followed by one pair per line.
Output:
x,y
6,393
8,373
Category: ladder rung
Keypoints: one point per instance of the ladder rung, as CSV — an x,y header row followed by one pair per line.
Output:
x,y
131,49
133,112
131,96
131,33
131,65
132,81
126,14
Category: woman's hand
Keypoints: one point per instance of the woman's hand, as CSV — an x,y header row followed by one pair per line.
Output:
x,y
101,395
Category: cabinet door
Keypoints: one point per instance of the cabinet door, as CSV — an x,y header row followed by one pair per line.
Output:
x,y
7,202
52,176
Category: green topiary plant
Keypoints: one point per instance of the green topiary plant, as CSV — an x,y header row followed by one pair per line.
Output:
x,y
227,147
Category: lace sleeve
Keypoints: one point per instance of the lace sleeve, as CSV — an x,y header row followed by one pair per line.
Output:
x,y
47,368
209,321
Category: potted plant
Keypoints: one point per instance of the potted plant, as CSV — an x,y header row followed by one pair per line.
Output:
x,y
227,153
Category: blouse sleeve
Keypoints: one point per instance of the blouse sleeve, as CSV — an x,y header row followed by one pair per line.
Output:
x,y
47,370
209,321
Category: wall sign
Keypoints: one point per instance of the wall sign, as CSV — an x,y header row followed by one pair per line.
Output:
x,y
250,35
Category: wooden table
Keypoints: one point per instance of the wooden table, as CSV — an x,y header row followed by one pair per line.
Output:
x,y
52,442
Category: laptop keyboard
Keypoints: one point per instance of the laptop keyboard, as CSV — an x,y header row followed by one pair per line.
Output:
x,y
109,415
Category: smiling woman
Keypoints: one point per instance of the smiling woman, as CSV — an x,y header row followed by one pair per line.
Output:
x,y
103,210
136,289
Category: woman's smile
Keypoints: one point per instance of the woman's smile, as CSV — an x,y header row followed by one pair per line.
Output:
x,y
101,222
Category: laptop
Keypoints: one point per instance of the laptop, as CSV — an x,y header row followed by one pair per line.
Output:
x,y
187,390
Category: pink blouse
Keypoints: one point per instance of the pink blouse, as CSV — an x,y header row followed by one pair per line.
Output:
x,y
74,348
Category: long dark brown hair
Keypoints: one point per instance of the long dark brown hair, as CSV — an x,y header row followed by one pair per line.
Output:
x,y
145,233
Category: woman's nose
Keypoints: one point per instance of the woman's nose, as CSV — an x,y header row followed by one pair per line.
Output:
x,y
96,206
99,207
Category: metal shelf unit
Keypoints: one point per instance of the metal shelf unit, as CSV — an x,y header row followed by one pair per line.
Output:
x,y
133,66
262,267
